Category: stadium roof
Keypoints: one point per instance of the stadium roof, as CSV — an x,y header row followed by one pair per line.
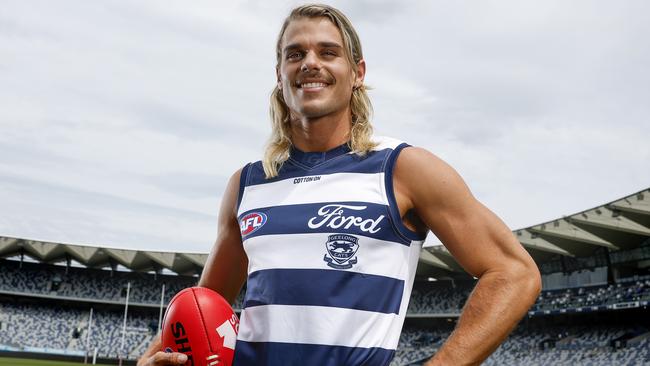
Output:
x,y
617,225
620,224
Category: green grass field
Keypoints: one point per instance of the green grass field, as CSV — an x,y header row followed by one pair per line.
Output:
x,y
25,362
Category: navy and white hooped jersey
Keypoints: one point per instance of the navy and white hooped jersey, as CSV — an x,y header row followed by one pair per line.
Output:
x,y
330,263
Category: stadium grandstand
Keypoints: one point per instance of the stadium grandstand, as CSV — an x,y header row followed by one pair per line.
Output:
x,y
76,302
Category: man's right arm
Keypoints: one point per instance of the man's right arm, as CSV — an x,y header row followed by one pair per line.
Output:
x,y
224,271
227,265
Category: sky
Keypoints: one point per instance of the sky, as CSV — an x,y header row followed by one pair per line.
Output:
x,y
121,121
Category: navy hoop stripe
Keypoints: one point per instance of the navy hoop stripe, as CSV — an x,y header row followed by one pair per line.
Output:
x,y
322,287
277,353
347,163
293,219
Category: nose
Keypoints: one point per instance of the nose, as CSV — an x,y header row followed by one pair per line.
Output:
x,y
310,62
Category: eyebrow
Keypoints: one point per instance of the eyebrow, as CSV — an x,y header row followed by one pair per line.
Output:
x,y
294,46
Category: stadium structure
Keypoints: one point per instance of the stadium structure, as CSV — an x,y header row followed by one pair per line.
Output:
x,y
80,302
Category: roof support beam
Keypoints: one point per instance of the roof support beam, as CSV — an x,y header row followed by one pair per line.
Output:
x,y
8,241
528,240
605,218
637,206
122,256
198,259
42,250
565,230
165,259
82,253
430,259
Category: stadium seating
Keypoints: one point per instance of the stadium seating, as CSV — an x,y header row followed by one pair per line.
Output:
x,y
49,327
32,324
451,300
109,286
575,345
549,345
145,289
89,284
438,300
624,291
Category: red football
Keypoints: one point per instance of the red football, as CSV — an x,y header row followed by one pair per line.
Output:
x,y
201,324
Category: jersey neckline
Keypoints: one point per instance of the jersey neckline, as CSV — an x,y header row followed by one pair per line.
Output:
x,y
311,159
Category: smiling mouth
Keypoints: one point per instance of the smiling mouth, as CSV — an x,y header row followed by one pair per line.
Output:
x,y
311,85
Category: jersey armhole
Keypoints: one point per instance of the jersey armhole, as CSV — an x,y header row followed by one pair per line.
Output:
x,y
243,180
392,201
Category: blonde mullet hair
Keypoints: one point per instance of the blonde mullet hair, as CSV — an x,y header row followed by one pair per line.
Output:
x,y
279,145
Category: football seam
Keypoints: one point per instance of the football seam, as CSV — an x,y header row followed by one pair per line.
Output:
x,y
205,330
164,319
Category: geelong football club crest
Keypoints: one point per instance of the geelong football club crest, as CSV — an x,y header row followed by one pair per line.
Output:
x,y
341,250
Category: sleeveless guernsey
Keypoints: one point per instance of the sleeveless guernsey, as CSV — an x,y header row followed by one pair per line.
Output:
x,y
330,264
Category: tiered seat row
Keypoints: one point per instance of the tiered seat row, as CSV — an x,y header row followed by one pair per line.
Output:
x,y
551,345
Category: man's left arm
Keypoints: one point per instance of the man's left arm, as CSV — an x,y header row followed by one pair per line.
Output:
x,y
509,281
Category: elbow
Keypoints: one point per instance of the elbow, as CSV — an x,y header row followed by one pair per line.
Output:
x,y
524,279
531,281
537,281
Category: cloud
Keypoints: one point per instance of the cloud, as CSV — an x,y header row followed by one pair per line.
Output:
x,y
135,114
53,212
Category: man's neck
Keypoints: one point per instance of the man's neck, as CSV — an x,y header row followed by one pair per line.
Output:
x,y
321,134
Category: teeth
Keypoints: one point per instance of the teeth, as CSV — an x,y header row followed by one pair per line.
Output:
x,y
312,85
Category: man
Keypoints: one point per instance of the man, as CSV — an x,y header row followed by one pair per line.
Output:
x,y
327,228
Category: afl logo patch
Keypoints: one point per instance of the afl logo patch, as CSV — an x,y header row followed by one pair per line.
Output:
x,y
252,222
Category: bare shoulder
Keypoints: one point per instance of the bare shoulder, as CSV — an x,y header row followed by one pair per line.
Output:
x,y
427,180
444,203
231,194
417,158
234,180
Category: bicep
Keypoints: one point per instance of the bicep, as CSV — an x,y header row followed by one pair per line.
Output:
x,y
476,237
226,266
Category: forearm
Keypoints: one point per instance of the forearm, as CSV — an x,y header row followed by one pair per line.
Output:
x,y
498,302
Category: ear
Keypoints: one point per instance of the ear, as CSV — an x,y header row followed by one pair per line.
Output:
x,y
361,73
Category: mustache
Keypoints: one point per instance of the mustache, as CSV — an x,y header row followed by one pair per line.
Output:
x,y
314,77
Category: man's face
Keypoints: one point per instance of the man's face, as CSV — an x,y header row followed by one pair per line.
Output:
x,y
314,73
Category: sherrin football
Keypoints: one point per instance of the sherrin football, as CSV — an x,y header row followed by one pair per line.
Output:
x,y
201,324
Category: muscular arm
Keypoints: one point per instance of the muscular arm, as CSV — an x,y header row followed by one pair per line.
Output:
x,y
509,281
224,271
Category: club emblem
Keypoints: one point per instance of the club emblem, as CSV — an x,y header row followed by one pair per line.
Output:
x,y
341,250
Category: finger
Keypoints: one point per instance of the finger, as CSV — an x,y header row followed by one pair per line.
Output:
x,y
168,359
